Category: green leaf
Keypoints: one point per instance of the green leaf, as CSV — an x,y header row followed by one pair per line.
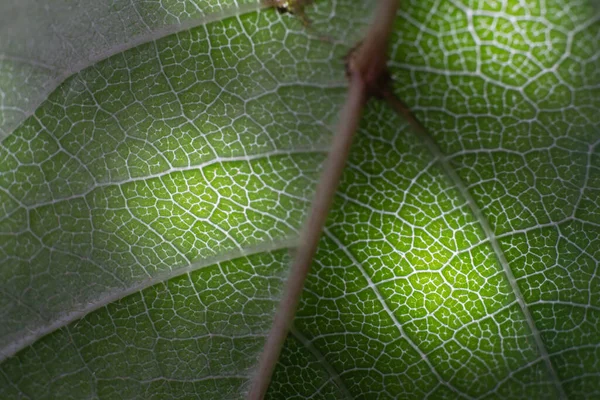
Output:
x,y
469,268
177,172
147,204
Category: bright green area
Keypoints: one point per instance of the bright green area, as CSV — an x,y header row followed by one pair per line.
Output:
x,y
168,154
201,146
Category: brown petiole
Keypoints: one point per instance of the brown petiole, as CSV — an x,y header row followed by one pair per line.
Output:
x,y
368,76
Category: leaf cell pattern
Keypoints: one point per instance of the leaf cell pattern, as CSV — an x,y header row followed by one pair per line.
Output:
x,y
461,267
468,269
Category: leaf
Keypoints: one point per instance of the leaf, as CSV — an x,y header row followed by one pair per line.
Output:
x,y
468,269
42,46
175,171
465,269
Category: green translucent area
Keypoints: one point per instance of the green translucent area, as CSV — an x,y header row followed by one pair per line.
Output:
x,y
197,334
407,296
178,150
120,234
201,145
530,161
510,95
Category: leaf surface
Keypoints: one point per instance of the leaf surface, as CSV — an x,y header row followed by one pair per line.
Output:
x,y
178,172
468,267
177,157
